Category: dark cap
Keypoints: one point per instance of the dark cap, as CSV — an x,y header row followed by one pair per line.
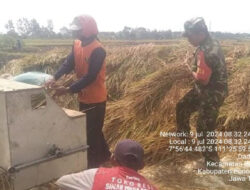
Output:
x,y
194,25
129,152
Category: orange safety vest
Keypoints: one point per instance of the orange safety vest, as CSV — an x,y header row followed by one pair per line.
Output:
x,y
95,92
203,71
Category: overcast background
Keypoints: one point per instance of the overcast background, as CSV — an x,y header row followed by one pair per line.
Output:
x,y
113,15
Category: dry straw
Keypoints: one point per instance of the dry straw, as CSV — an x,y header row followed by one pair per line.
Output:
x,y
144,83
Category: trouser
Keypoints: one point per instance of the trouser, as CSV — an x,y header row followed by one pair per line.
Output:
x,y
208,109
98,151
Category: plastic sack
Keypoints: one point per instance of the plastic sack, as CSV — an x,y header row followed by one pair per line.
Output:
x,y
35,78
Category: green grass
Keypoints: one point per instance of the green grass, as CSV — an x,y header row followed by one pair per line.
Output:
x,y
243,62
69,42
47,42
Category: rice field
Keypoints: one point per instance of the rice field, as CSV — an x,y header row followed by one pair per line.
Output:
x,y
145,80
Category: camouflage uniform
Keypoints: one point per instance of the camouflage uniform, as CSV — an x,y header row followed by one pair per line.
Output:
x,y
206,99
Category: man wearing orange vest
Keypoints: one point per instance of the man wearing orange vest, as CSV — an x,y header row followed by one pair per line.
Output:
x,y
87,59
127,158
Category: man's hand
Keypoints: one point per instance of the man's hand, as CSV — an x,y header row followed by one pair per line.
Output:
x,y
50,83
61,91
187,60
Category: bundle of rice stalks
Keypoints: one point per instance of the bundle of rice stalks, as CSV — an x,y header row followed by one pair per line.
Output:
x,y
68,101
148,108
234,54
148,94
129,64
240,52
236,110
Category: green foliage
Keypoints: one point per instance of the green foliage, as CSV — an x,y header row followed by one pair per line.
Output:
x,y
242,64
32,29
7,42
47,42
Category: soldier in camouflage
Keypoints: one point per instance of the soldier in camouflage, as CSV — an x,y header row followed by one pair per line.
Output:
x,y
209,91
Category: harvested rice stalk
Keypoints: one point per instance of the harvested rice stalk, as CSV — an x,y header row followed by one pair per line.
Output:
x,y
145,110
237,105
68,101
129,64
47,62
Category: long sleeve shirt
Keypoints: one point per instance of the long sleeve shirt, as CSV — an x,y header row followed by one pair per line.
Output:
x,y
209,68
95,64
